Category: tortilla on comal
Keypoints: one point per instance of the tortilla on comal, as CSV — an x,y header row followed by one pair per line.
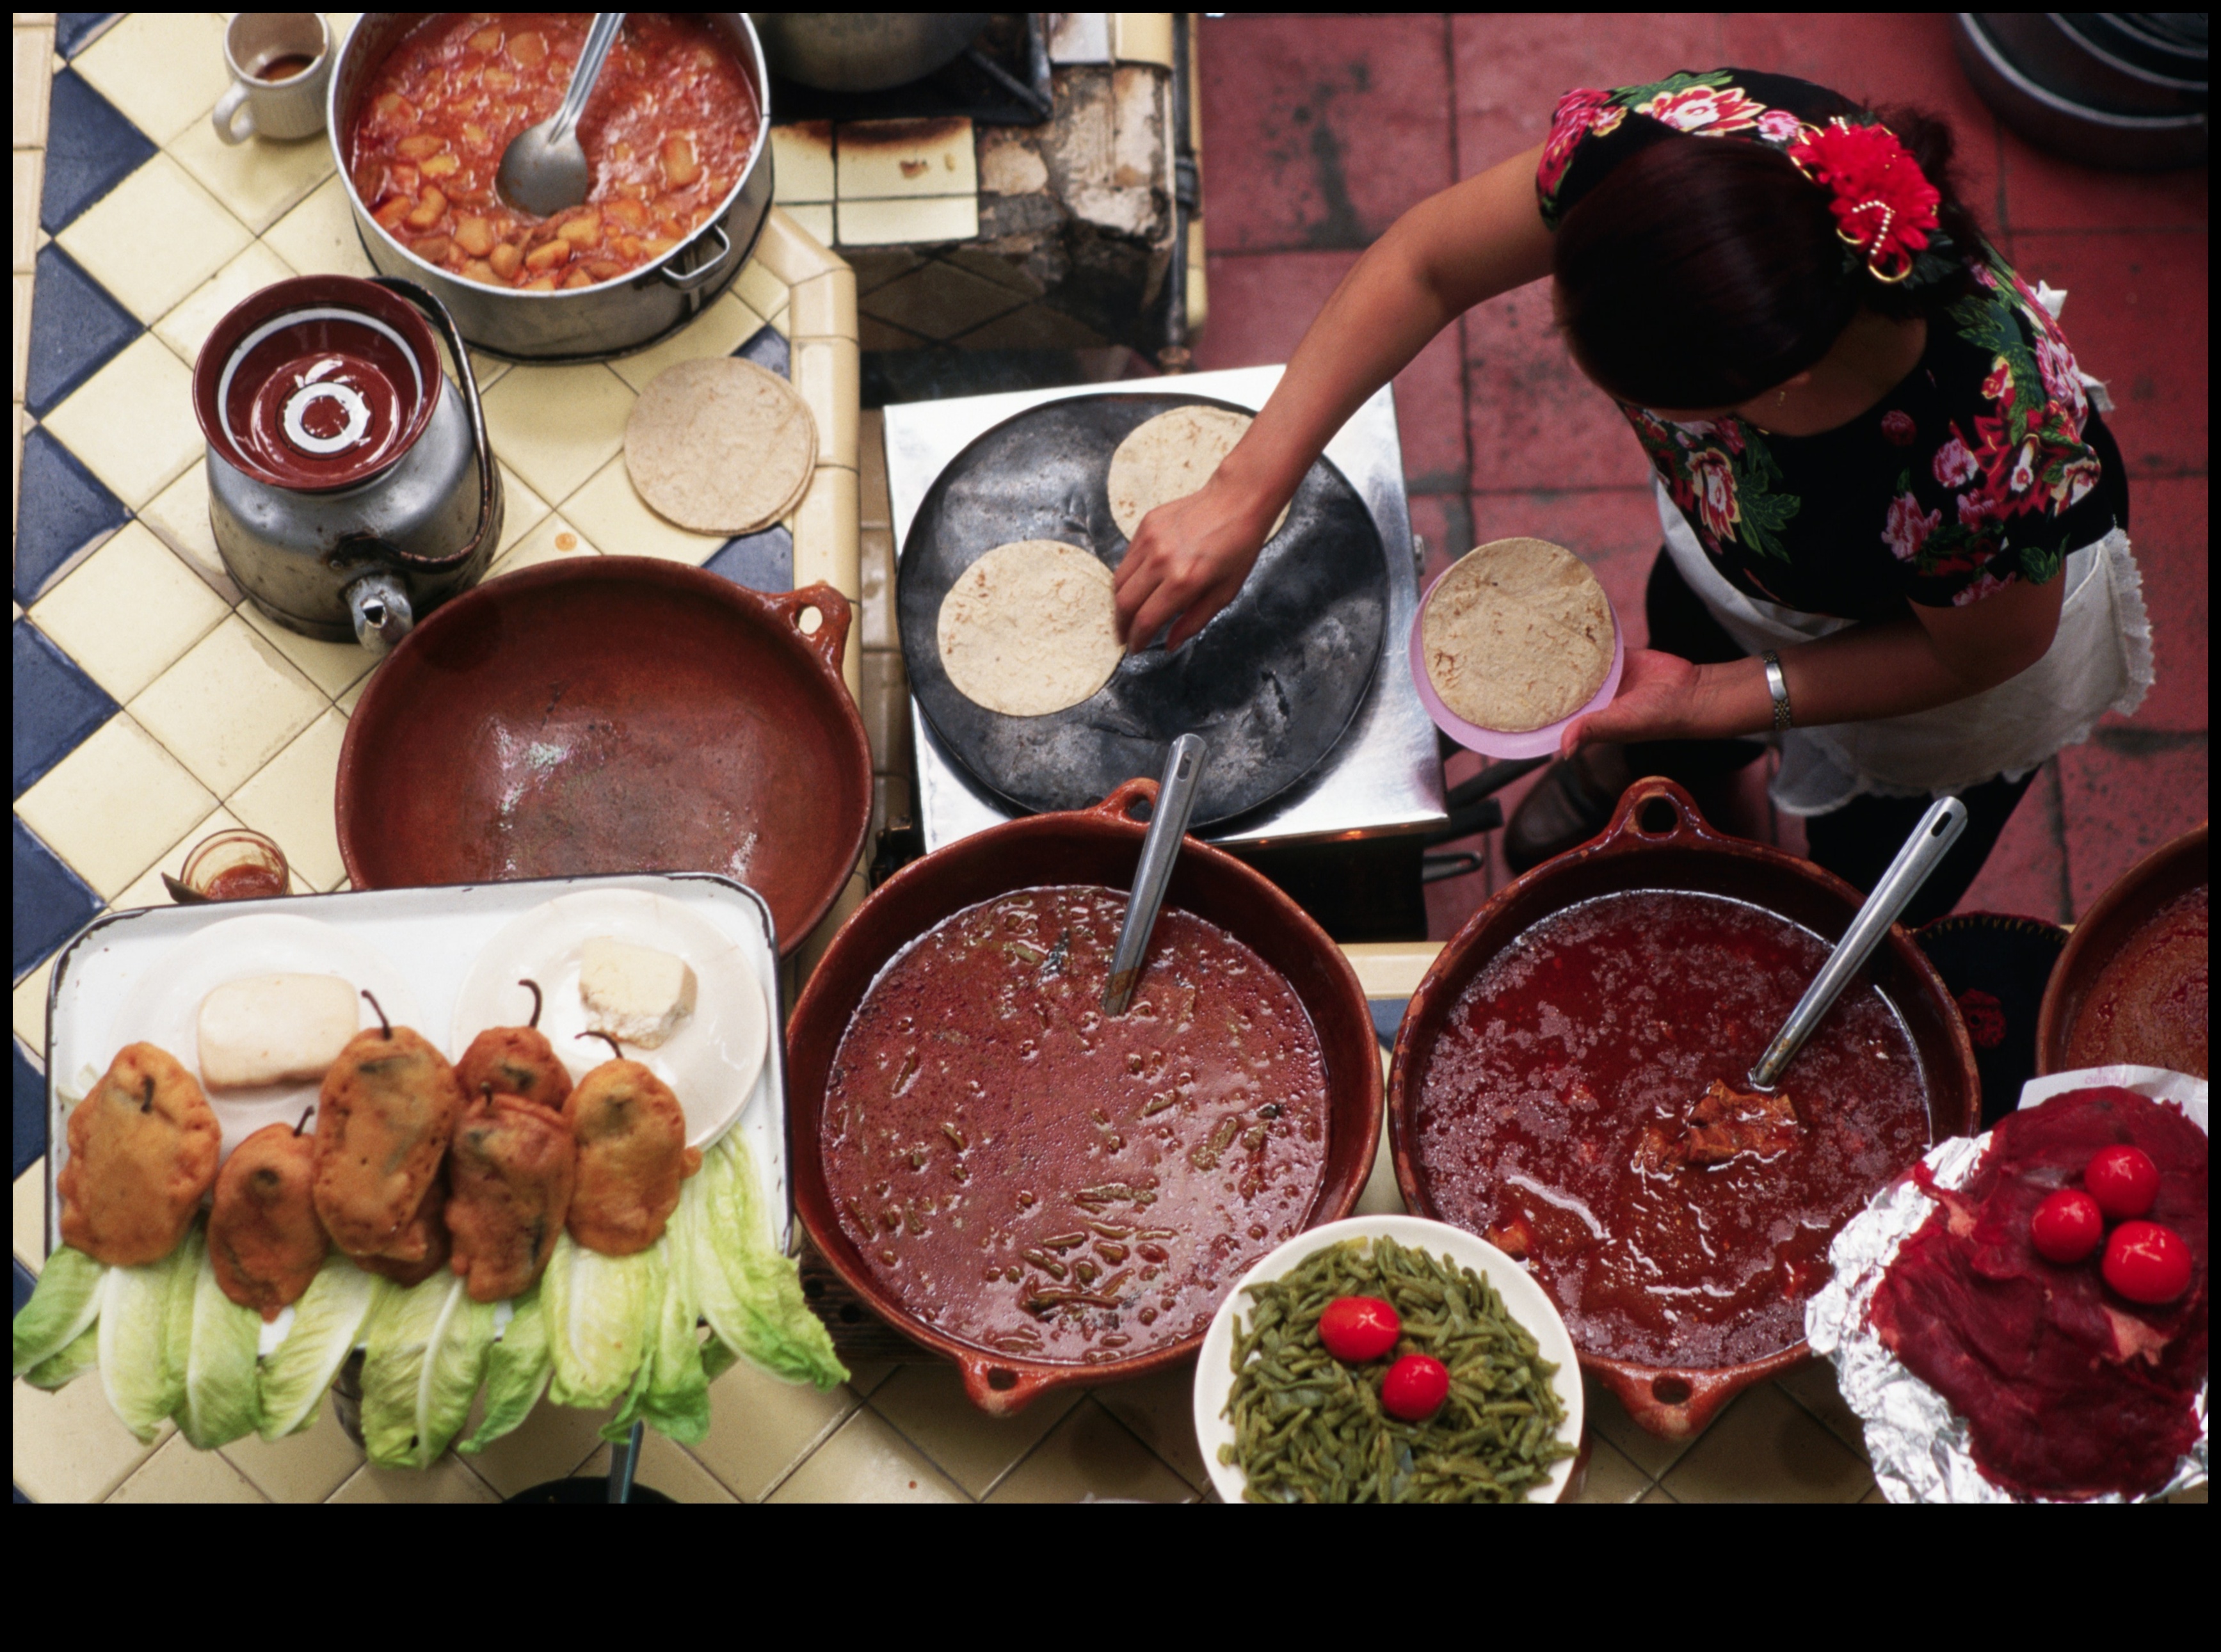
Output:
x,y
1170,457
1030,628
1517,635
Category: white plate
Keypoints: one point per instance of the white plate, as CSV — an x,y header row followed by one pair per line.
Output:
x,y
1523,1299
712,1056
164,1007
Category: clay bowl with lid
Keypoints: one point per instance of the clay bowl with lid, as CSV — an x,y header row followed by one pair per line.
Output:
x,y
613,714
2104,934
1101,846
1657,840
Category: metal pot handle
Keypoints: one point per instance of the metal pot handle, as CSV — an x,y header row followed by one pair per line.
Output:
x,y
687,280
834,611
1001,1389
489,483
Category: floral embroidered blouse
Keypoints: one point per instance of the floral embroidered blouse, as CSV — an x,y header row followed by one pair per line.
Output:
x,y
1982,467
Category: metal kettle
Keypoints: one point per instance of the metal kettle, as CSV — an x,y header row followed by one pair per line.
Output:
x,y
351,488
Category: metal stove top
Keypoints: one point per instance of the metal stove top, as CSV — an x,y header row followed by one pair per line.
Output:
x,y
1386,776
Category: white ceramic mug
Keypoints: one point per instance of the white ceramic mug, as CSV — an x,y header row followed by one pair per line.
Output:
x,y
280,62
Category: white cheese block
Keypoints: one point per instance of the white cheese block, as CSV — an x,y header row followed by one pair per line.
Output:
x,y
636,994
274,1028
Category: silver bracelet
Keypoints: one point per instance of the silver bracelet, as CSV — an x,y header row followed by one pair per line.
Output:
x,y
1776,685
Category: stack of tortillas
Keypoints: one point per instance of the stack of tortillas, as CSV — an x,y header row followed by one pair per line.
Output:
x,y
719,446
1030,628
1517,635
1170,457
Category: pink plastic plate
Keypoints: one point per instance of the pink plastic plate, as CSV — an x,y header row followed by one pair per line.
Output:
x,y
1494,742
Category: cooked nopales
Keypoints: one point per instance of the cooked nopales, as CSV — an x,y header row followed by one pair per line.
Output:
x,y
383,1118
511,1172
265,1243
633,1156
142,1151
516,1061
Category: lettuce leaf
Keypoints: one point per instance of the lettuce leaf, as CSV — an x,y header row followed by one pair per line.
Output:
x,y
517,1371
597,1311
61,1309
222,1396
146,1327
750,1294
327,1320
59,1370
427,1354
678,1400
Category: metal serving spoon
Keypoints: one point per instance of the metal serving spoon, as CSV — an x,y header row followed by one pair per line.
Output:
x,y
1923,851
544,169
1159,849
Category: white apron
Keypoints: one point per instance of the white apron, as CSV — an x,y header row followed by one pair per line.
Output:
x,y
2099,661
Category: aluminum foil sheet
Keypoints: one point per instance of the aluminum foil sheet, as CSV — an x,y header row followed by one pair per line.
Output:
x,y
1916,1442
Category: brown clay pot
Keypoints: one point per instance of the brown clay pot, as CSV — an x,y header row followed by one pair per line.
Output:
x,y
1100,845
613,714
1657,840
2113,918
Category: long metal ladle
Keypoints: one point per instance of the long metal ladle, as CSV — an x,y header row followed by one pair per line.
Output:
x,y
1923,851
544,169
1159,849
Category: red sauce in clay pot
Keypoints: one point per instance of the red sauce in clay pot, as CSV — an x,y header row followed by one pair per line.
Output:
x,y
1030,1176
2148,1005
1579,1110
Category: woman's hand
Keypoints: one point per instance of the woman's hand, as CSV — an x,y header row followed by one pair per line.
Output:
x,y
1662,696
1188,560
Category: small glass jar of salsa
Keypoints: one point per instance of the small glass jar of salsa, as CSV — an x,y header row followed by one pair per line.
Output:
x,y
670,125
237,864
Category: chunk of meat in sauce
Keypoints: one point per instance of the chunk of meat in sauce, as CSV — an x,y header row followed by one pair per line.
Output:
x,y
1723,1123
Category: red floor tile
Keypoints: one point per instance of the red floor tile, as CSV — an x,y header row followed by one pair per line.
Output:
x,y
1512,68
1534,422
1614,530
2170,517
1444,522
2136,318
2048,191
2121,799
2026,873
1332,126
1262,302
1881,58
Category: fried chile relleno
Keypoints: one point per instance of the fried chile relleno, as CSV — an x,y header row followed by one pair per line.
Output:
x,y
423,1245
384,1116
631,1136
143,1148
265,1243
513,1167
516,1061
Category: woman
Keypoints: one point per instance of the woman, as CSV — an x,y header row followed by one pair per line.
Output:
x,y
1895,523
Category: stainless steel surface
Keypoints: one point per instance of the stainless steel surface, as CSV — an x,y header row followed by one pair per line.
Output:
x,y
1923,851
1160,847
1384,777
380,609
544,170
588,323
863,51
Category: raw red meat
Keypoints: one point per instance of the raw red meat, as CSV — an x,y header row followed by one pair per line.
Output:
x,y
2068,1390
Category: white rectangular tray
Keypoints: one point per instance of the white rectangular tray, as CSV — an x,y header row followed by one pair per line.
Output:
x,y
436,935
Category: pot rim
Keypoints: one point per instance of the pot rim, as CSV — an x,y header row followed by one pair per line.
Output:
x,y
779,612
1709,1387
1029,1377
2064,994
648,267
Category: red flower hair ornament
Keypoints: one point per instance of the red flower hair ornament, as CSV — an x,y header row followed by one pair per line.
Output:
x,y
1884,207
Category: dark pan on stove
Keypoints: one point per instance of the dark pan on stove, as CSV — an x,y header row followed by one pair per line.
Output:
x,y
1272,682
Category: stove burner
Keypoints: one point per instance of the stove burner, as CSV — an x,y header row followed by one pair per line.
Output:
x,y
1273,682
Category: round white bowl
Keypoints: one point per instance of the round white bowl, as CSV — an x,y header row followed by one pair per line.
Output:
x,y
1525,1300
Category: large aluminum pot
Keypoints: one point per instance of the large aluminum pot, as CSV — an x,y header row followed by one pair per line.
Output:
x,y
1657,840
863,51
1100,846
587,324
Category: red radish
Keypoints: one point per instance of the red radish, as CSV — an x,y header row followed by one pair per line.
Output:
x,y
2124,1180
1358,1329
1415,1387
2144,1262
2067,1226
